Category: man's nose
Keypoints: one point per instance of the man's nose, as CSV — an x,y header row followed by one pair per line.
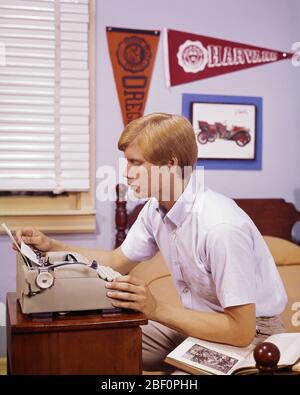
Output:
x,y
126,173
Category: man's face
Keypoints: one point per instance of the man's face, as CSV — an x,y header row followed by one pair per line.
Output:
x,y
149,180
138,171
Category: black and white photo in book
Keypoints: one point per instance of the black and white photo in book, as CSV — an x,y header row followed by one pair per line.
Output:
x,y
203,357
210,358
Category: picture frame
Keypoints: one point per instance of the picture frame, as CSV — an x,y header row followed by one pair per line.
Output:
x,y
228,130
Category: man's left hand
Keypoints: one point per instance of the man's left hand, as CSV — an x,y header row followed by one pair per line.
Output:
x,y
135,295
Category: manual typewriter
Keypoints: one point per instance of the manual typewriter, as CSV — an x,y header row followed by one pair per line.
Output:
x,y
62,282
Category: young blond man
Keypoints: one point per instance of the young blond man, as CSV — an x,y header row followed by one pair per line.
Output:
x,y
223,271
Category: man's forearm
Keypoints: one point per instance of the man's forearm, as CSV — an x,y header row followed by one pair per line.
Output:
x,y
102,257
211,326
115,258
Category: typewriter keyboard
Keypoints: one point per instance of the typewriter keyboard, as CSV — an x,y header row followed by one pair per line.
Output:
x,y
107,273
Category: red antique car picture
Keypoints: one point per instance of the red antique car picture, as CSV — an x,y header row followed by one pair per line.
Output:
x,y
210,132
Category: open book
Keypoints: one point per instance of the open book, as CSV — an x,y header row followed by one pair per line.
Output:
x,y
202,357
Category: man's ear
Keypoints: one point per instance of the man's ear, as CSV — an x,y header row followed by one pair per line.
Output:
x,y
172,162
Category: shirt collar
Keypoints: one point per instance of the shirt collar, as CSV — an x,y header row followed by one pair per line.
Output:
x,y
185,202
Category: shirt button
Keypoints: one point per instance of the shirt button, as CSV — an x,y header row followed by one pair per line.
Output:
x,y
185,290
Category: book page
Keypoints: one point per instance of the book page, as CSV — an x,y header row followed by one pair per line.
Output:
x,y
289,347
296,367
211,357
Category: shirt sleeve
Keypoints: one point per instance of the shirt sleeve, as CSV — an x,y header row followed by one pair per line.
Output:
x,y
140,243
231,261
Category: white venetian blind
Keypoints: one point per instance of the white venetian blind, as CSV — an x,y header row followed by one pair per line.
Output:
x,y
44,95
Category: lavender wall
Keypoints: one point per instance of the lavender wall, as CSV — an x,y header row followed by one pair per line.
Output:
x,y
271,24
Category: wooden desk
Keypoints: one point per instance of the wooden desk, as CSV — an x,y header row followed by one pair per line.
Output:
x,y
77,343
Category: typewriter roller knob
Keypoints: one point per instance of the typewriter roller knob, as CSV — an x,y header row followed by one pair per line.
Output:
x,y
44,280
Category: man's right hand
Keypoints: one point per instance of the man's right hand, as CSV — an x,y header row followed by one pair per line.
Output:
x,y
34,238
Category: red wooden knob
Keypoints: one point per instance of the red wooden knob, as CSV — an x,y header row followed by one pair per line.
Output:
x,y
266,356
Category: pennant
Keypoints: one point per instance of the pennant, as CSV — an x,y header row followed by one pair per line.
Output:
x,y
132,54
191,57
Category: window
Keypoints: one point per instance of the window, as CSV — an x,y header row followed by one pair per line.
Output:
x,y
47,113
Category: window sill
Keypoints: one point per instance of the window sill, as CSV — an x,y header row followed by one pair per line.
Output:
x,y
62,221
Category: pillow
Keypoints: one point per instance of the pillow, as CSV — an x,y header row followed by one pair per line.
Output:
x,y
284,252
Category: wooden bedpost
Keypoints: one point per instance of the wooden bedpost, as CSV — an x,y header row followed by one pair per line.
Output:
x,y
121,214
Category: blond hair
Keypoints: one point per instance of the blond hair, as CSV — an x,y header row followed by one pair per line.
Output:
x,y
161,138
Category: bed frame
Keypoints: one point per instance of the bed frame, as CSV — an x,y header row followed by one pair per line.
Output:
x,y
273,217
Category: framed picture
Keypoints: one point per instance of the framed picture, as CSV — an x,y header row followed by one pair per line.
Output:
x,y
228,130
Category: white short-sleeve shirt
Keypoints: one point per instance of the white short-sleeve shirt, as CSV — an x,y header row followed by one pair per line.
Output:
x,y
214,251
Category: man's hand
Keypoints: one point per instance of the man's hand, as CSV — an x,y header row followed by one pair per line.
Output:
x,y
136,295
33,237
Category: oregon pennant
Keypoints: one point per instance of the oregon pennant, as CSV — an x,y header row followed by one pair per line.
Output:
x,y
132,54
191,57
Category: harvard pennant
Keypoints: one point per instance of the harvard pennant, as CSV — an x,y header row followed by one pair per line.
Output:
x,y
132,54
191,57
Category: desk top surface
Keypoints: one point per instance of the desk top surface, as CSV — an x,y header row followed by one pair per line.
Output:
x,y
21,323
